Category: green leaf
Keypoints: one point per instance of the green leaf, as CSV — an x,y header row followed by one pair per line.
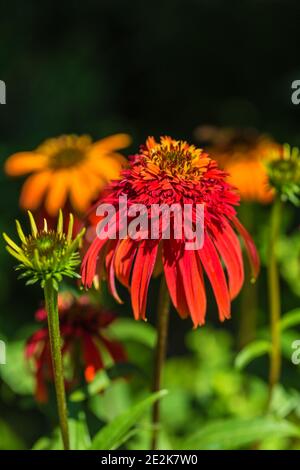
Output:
x,y
125,329
15,373
79,433
290,319
99,384
238,433
9,440
114,434
251,351
79,436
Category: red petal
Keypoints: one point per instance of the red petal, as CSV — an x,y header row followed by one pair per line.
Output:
x,y
250,248
91,355
141,275
170,254
115,349
89,263
229,248
124,260
185,281
213,268
110,269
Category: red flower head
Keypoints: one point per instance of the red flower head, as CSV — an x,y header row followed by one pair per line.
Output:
x,y
82,328
171,172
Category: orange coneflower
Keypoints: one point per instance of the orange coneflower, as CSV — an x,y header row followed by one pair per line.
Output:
x,y
67,167
168,172
244,154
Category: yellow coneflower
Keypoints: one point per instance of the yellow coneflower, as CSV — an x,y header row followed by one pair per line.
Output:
x,y
67,167
244,154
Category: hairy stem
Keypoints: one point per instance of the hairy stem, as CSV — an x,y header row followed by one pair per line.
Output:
x,y
55,343
163,312
274,297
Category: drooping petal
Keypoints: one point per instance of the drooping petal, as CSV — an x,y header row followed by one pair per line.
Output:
x,y
34,189
90,260
92,358
57,193
228,245
141,275
124,260
212,265
110,268
22,163
193,285
115,349
81,192
250,248
170,253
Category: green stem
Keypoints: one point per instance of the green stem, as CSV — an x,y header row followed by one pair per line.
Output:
x,y
274,297
163,312
248,296
55,343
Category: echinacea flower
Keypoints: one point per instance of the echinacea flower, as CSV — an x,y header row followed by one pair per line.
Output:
x,y
284,174
168,172
46,255
68,167
83,334
244,155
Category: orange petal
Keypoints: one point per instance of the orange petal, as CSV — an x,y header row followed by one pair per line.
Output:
x,y
57,193
24,162
109,144
109,167
34,189
80,192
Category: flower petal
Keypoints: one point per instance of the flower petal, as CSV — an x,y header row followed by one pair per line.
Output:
x,y
212,265
141,275
228,245
92,358
57,193
34,190
250,248
189,295
109,144
90,260
124,260
25,162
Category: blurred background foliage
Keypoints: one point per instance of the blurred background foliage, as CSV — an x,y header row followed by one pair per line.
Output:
x,y
153,68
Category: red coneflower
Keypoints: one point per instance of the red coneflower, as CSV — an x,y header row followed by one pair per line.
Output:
x,y
82,328
168,172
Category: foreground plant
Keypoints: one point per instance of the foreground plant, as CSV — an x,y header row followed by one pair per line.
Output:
x,y
284,177
168,172
83,329
46,256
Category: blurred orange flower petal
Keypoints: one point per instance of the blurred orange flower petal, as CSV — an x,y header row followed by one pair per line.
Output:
x,y
34,189
79,193
78,168
57,193
109,144
24,162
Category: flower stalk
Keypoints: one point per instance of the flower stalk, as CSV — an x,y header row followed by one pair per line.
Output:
x,y
46,256
274,297
55,345
163,313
